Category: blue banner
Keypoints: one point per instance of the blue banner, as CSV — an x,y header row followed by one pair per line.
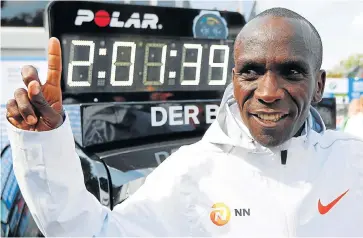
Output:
x,y
355,88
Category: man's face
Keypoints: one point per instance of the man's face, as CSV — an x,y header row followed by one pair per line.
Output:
x,y
275,78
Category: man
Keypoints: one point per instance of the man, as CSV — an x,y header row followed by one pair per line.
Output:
x,y
266,165
354,124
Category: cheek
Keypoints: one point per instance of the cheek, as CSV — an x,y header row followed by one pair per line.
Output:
x,y
301,94
242,90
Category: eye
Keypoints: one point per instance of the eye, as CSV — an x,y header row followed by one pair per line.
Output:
x,y
249,74
292,73
251,71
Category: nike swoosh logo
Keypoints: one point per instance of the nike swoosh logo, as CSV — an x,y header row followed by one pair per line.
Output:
x,y
325,209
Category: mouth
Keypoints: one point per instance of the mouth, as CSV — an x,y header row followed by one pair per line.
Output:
x,y
269,119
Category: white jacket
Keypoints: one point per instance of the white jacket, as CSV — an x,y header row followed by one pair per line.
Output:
x,y
354,125
264,197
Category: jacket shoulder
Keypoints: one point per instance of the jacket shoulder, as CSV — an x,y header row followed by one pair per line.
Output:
x,y
183,160
344,146
339,138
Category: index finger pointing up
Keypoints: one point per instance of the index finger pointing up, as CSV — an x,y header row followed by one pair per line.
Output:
x,y
54,62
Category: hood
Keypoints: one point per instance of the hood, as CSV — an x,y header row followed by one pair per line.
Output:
x,y
229,130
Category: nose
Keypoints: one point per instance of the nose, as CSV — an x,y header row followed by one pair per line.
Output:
x,y
269,89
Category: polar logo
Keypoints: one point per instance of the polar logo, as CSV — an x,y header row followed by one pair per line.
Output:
x,y
102,19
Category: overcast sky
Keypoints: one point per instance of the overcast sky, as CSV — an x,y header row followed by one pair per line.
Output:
x,y
339,23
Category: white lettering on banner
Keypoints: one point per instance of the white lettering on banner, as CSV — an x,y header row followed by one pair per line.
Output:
x,y
133,21
164,116
181,115
114,20
176,116
191,113
149,20
83,15
211,113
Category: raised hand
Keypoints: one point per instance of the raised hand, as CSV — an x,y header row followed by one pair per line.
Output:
x,y
40,107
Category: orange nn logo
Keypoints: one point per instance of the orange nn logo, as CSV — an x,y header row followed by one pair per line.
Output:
x,y
220,214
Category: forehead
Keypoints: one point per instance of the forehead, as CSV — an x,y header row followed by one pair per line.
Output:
x,y
274,39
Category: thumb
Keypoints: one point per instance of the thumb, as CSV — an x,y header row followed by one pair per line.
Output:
x,y
49,115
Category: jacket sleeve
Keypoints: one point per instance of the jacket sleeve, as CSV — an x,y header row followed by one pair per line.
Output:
x,y
354,125
50,177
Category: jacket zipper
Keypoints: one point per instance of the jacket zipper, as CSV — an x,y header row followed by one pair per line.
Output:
x,y
283,157
283,163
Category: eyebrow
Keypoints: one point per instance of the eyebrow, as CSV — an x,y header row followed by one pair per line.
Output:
x,y
251,64
301,64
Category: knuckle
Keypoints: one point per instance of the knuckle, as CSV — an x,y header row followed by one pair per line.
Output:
x,y
40,103
12,109
29,73
32,68
54,121
28,69
24,108
59,121
10,103
55,62
14,122
40,100
43,104
19,92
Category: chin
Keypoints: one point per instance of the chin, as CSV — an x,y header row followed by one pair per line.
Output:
x,y
269,141
270,134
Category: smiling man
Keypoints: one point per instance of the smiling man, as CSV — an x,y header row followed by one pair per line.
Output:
x,y
267,153
277,75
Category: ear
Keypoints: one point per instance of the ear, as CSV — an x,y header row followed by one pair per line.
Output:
x,y
319,87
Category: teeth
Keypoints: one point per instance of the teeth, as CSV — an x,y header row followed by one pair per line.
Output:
x,y
270,117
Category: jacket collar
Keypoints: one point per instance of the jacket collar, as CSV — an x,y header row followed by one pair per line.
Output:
x,y
229,130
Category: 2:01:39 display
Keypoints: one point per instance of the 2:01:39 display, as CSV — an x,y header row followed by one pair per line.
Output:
x,y
130,64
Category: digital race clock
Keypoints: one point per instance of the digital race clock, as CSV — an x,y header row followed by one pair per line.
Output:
x,y
121,48
141,74
138,63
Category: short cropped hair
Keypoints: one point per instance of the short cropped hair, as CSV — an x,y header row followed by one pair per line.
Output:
x,y
283,12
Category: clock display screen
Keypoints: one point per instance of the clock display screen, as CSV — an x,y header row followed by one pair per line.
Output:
x,y
127,63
